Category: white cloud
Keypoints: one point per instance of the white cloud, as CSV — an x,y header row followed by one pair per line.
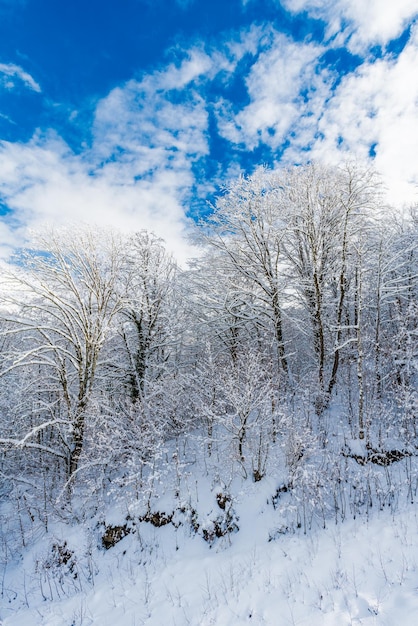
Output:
x,y
8,240
283,86
378,104
293,99
359,23
137,173
149,133
150,125
13,71
43,182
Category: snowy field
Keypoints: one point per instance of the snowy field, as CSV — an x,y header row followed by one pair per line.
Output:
x,y
362,571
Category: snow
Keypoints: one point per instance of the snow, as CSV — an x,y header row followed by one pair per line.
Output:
x,y
361,571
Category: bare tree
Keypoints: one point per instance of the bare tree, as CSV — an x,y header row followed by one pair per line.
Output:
x,y
149,322
60,299
246,230
325,210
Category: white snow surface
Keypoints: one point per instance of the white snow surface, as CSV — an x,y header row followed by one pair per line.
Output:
x,y
360,571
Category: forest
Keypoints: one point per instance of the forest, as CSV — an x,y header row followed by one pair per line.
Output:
x,y
286,353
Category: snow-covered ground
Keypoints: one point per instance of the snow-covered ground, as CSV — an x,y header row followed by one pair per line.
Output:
x,y
361,571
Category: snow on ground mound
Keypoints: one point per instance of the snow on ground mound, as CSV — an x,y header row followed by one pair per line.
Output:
x,y
362,571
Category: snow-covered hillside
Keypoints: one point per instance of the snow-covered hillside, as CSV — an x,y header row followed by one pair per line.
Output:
x,y
232,443
361,571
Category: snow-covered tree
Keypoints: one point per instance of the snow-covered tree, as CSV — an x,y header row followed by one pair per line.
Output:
x,y
59,300
246,230
150,317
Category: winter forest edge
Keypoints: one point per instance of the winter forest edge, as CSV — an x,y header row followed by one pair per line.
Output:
x,y
138,395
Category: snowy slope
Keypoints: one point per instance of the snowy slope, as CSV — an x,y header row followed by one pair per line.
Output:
x,y
362,571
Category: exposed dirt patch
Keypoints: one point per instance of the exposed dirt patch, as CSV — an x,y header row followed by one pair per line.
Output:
x,y
114,534
379,457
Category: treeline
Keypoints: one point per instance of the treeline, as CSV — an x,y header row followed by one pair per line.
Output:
x,y
301,309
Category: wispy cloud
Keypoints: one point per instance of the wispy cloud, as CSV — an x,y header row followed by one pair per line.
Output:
x,y
138,171
11,72
151,136
377,106
303,108
359,23
283,86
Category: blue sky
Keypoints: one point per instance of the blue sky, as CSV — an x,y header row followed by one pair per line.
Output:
x,y
133,113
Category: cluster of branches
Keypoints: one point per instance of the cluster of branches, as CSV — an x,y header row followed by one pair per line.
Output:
x,y
306,288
